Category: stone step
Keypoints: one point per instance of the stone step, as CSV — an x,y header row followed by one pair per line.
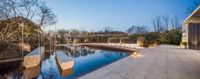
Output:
x,y
63,61
34,58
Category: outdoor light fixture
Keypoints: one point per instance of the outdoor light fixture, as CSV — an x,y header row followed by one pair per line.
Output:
x,y
135,53
25,46
184,34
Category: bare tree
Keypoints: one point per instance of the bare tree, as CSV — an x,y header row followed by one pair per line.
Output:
x,y
175,23
46,16
74,32
154,25
166,22
63,34
131,30
137,30
141,29
157,24
13,12
108,29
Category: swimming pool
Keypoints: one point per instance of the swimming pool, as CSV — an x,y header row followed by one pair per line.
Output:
x,y
86,60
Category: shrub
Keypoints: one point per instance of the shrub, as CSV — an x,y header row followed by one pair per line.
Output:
x,y
167,37
10,50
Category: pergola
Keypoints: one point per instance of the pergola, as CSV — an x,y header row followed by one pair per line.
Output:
x,y
191,30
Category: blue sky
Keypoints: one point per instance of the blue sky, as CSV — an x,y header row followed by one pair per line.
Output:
x,y
94,15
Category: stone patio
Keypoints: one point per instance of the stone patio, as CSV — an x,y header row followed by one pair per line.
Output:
x,y
161,62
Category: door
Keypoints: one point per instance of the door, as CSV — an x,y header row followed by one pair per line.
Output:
x,y
194,36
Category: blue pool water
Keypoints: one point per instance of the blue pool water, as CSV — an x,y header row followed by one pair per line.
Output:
x,y
86,60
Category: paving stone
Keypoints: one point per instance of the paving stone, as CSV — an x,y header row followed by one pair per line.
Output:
x,y
160,62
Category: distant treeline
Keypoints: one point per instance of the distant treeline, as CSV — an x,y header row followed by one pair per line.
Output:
x,y
167,30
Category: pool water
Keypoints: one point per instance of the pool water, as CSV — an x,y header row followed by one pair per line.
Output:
x,y
86,60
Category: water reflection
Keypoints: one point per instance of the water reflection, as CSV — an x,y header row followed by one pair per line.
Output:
x,y
86,60
10,71
79,51
83,51
66,72
109,54
31,73
48,68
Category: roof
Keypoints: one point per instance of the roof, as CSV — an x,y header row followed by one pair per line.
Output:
x,y
194,16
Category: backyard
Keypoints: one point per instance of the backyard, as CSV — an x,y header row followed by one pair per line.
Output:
x,y
107,39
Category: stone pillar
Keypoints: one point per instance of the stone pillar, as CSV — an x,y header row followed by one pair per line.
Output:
x,y
120,41
141,41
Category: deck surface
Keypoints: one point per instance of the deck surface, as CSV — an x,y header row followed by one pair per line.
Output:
x,y
161,62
